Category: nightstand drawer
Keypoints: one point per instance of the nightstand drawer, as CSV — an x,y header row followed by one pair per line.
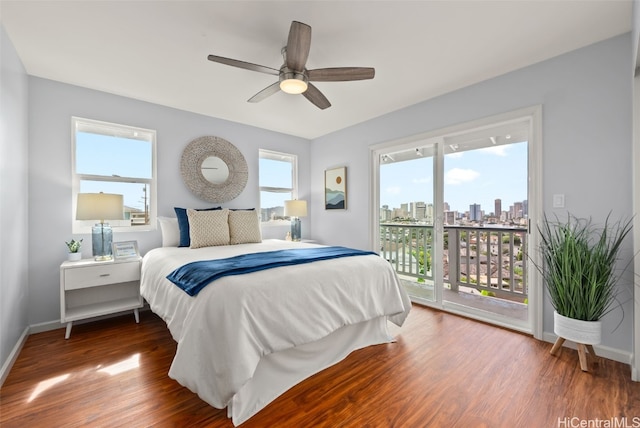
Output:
x,y
96,275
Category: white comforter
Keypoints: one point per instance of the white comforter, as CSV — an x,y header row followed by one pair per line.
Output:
x,y
224,331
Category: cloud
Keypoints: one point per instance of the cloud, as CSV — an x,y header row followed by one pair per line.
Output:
x,y
421,180
459,176
394,190
496,150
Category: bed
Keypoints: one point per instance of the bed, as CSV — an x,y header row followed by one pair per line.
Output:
x,y
246,339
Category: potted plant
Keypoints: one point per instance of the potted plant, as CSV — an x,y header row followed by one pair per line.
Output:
x,y
74,249
580,275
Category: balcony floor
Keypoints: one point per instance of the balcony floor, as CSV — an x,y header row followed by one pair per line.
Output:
x,y
469,297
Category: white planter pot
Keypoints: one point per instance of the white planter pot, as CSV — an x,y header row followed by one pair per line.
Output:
x,y
74,257
578,331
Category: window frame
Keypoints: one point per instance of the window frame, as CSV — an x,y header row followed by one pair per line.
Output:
x,y
275,155
80,124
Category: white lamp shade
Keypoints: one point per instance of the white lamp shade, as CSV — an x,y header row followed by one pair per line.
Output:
x,y
295,208
99,206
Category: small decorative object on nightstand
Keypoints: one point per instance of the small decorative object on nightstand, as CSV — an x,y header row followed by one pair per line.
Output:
x,y
90,288
74,250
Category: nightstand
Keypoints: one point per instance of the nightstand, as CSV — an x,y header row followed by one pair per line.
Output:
x,y
90,288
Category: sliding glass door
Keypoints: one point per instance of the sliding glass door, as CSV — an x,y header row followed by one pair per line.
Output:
x,y
454,218
408,216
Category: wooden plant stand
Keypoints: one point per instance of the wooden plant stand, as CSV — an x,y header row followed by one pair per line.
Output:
x,y
583,352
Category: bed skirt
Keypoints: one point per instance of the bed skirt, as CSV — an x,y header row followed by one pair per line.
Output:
x,y
278,372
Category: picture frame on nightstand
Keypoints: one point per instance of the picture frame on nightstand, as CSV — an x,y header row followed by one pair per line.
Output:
x,y
125,250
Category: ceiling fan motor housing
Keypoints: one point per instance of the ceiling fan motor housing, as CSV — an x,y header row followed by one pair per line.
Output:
x,y
293,82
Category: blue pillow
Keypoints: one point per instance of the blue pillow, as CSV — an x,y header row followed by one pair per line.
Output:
x,y
183,224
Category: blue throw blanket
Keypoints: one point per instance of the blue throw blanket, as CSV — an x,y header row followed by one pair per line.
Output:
x,y
194,276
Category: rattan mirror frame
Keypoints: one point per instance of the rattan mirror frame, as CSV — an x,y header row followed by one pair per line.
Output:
x,y
194,155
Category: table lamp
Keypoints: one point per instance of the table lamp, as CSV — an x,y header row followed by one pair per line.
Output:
x,y
295,209
100,207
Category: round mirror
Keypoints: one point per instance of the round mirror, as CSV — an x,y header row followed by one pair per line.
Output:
x,y
215,170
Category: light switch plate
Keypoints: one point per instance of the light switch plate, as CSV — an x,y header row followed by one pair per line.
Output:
x,y
558,201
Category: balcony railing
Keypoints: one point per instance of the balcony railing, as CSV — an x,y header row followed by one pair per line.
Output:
x,y
489,259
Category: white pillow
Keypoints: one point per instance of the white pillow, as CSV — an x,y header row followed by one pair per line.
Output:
x,y
244,227
208,228
170,231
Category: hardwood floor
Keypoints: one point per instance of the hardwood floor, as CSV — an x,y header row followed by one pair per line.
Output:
x,y
443,370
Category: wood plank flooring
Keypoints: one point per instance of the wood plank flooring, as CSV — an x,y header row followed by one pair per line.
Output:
x,y
443,371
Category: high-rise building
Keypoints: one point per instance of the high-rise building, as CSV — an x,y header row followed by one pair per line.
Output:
x,y
518,211
404,208
420,210
498,208
450,217
428,215
475,212
385,213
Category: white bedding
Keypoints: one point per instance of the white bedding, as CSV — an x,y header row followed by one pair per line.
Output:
x,y
234,322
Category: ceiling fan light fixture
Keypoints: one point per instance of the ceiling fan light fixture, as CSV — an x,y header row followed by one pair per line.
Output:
x,y
293,83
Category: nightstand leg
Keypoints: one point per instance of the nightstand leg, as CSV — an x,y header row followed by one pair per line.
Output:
x,y
137,315
68,332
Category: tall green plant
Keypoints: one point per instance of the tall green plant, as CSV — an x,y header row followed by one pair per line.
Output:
x,y
579,265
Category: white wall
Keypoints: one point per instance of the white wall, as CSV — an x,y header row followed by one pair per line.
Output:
x,y
586,98
14,232
51,105
635,372
636,33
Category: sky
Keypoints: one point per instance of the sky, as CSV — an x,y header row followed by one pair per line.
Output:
x,y
115,156
274,173
476,176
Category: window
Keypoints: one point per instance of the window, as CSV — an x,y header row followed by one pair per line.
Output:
x,y
278,175
113,158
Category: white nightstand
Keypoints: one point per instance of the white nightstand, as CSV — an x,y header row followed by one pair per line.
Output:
x,y
89,288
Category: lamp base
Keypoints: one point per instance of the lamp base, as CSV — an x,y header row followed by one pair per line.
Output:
x,y
296,233
101,239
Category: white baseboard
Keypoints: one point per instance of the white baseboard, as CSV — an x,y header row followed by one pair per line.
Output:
x,y
13,356
45,326
601,350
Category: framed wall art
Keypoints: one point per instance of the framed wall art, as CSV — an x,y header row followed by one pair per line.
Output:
x,y
335,188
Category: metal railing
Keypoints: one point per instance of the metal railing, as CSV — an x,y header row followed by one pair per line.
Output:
x,y
489,259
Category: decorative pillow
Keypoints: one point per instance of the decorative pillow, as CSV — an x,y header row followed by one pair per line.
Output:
x,y
183,224
244,227
170,231
208,228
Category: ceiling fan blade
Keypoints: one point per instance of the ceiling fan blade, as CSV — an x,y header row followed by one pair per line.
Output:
x,y
341,74
314,95
298,46
266,92
243,64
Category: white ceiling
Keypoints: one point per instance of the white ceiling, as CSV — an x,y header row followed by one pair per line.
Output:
x,y
156,51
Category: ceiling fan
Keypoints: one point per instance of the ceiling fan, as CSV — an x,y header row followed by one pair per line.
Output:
x,y
293,77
